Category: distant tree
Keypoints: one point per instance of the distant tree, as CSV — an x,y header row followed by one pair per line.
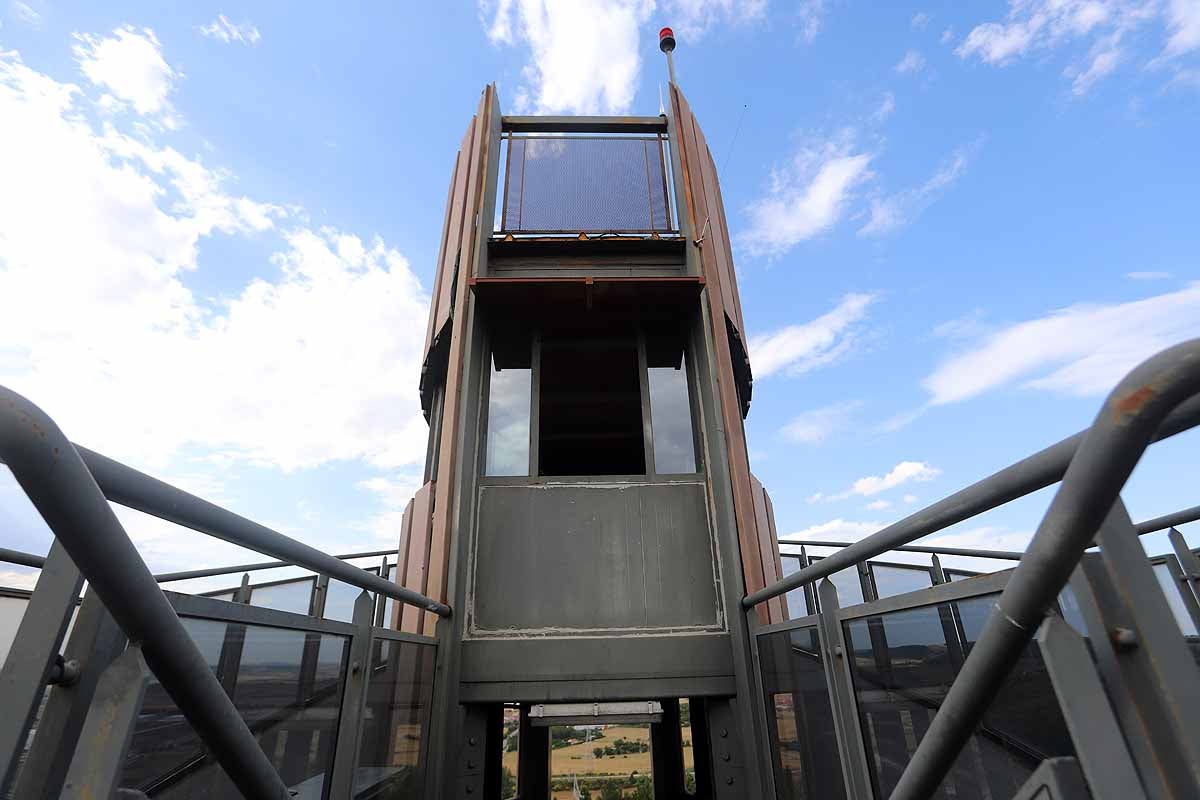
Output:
x,y
611,790
598,752
508,784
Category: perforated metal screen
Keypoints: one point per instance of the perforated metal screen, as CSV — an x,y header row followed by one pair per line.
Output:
x,y
571,184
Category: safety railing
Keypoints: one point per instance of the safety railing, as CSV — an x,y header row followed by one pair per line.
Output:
x,y
920,700
199,652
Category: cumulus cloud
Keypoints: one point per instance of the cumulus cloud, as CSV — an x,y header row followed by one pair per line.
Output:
x,y
796,349
836,530
891,212
1151,275
807,195
817,425
1071,351
879,505
225,31
129,64
871,485
920,21
98,231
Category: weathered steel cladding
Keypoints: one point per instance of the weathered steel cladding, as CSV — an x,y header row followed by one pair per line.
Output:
x,y
703,204
615,557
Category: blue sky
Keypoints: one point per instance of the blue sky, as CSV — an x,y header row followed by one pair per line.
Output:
x,y
955,227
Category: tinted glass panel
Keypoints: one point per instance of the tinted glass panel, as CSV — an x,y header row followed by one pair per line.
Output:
x,y
339,601
891,581
593,183
286,686
1171,588
508,405
849,586
590,406
395,721
800,717
294,596
796,602
670,407
903,664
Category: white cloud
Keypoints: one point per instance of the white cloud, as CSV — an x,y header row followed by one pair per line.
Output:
x,y
910,499
886,107
797,349
692,19
902,473
920,21
911,62
1070,351
225,31
809,15
98,230
130,65
1151,275
889,213
879,505
25,13
836,530
19,578
807,196
585,56
946,36
1044,24
871,485
817,425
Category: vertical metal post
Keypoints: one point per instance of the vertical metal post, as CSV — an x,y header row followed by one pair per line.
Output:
x,y
320,591
1099,743
354,694
810,597
381,600
27,668
1182,587
100,757
666,752
1187,559
845,706
533,759
95,642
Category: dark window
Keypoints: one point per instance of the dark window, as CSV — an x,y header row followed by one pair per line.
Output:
x,y
589,406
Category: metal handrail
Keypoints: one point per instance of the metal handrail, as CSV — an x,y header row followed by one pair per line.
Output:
x,y
58,483
1038,471
139,491
968,552
1168,521
37,562
1128,422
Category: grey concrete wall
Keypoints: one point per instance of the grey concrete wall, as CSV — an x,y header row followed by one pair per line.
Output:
x,y
565,558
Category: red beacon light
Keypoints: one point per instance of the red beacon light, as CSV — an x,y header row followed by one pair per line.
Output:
x,y
666,40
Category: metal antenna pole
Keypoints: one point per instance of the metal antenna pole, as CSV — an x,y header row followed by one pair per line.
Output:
x,y
666,43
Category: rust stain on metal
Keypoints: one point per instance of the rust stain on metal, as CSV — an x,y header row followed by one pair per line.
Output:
x,y
1133,402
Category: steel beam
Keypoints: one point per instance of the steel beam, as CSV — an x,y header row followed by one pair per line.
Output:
x,y
108,729
1099,466
1169,520
27,669
1007,555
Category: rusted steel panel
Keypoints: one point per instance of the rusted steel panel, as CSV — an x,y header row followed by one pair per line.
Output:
x,y
416,573
456,212
767,550
773,539
402,563
694,159
485,134
716,232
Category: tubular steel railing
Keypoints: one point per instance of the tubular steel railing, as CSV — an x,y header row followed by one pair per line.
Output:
x,y
1156,400
71,488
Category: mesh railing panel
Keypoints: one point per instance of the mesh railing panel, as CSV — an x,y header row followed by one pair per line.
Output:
x,y
566,184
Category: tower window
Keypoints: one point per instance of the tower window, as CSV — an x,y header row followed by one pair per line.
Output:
x,y
589,406
607,400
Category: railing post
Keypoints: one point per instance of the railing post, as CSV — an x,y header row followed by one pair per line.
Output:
x,y
1187,559
845,706
354,695
108,729
1099,743
26,671
95,642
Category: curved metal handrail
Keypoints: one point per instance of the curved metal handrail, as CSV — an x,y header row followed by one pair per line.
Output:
x,y
1110,449
61,487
